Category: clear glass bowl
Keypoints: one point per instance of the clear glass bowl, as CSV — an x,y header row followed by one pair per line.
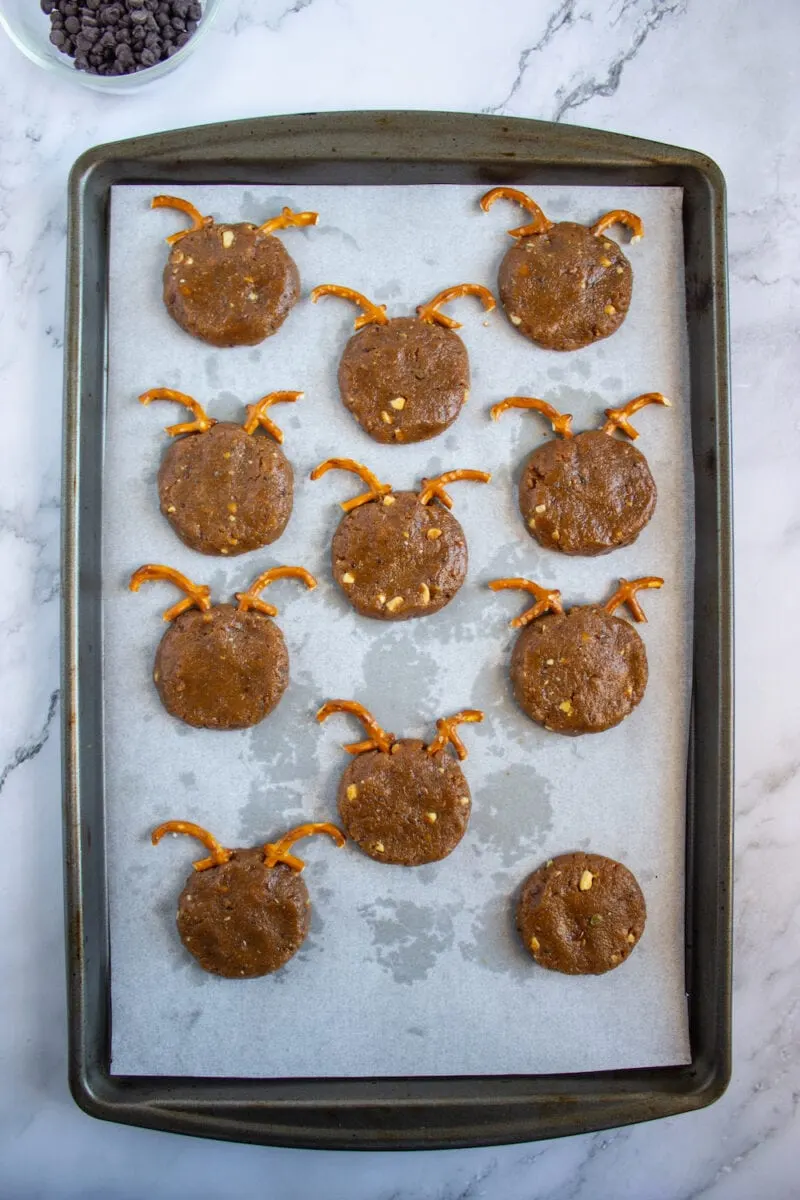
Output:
x,y
29,30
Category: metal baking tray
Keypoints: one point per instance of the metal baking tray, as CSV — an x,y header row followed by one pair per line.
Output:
x,y
397,148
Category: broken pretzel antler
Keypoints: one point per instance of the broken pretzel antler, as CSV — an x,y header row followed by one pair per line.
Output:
x,y
278,852
626,594
561,422
446,731
257,413
435,487
201,423
250,599
618,417
288,220
546,601
379,739
376,488
620,216
430,312
372,314
539,224
197,595
219,855
196,217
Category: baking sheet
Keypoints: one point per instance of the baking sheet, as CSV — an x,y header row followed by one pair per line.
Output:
x,y
405,972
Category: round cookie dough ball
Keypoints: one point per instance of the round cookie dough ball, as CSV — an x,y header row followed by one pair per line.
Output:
x,y
243,919
221,669
406,806
581,914
565,288
582,671
226,491
588,494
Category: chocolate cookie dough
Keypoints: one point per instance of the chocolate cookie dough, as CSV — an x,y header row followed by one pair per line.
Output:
x,y
220,666
590,492
244,913
564,285
230,285
404,379
223,489
402,801
581,914
581,671
398,556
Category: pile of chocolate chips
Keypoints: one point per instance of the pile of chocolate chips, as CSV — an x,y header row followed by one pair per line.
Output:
x,y
118,37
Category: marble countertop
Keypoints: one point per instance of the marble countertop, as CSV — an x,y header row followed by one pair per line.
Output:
x,y
717,76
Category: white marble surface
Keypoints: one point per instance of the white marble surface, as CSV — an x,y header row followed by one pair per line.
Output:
x,y
717,75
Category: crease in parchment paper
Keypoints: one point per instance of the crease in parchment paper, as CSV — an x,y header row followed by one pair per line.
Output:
x,y
404,972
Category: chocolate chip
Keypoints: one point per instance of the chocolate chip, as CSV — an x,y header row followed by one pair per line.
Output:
x,y
116,37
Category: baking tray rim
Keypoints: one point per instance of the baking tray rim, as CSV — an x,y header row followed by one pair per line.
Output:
x,y
398,1112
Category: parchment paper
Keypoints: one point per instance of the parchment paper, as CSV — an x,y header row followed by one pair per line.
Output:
x,y
405,972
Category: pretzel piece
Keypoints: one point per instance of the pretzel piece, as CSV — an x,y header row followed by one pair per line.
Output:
x,y
257,413
379,739
620,216
288,220
539,224
430,312
561,422
626,594
250,599
197,595
376,488
278,852
201,423
435,487
446,731
219,855
546,601
194,215
618,417
372,314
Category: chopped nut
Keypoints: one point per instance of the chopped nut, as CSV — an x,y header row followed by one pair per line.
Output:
x,y
615,958
352,791
605,262
609,310
177,256
170,508
388,499
406,534
252,295
463,801
586,637
620,270
395,603
348,577
379,847
466,396
231,517
549,662
566,707
540,508
583,285
156,676
227,238
596,919
549,862
233,541
189,261
631,938
531,522
396,748
514,319
381,598
399,403
387,418
226,454
555,535
534,944
607,245
232,506
424,594
433,534
629,690
431,818
586,881
223,551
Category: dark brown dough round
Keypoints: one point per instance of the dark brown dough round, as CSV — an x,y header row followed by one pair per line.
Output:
x,y
587,494
565,288
579,672
226,491
399,559
581,914
407,360
244,919
406,807
221,669
230,285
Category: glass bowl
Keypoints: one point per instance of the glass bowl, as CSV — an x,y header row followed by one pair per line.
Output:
x,y
29,30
